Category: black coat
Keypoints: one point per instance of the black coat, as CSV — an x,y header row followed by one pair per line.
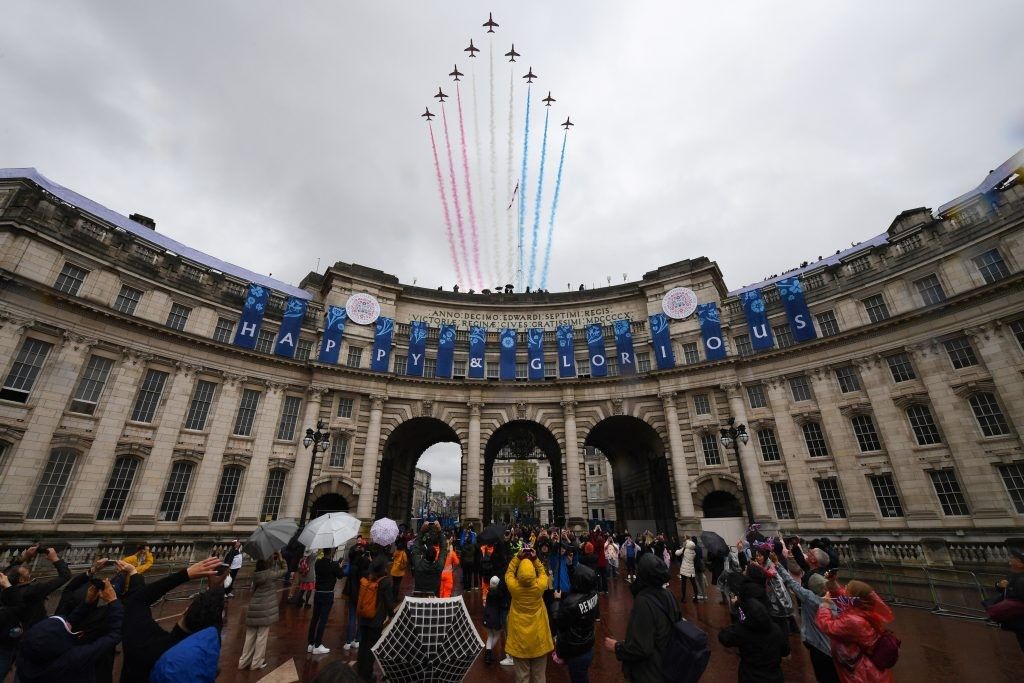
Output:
x,y
28,600
144,640
574,621
49,653
327,574
761,643
650,622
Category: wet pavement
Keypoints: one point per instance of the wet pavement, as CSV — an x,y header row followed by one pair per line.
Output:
x,y
936,649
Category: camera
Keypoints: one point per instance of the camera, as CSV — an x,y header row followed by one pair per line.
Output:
x,y
96,583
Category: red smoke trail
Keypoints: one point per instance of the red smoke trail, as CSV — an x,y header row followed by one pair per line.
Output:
x,y
455,191
469,197
444,205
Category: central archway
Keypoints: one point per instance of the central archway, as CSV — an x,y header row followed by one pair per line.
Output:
x,y
524,439
401,452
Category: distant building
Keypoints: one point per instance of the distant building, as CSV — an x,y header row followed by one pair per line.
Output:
x,y
420,490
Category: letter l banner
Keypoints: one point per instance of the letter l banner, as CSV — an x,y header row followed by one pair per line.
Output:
x,y
566,357
598,355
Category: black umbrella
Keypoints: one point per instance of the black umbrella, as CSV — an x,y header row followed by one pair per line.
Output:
x,y
714,545
491,534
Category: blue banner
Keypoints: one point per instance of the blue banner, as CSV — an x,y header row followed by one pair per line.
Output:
x,y
598,355
535,346
711,331
566,357
791,292
624,347
507,366
445,351
252,316
334,327
382,344
291,326
477,344
757,320
664,356
417,348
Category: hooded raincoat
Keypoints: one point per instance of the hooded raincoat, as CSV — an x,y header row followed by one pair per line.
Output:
x,y
650,622
853,634
529,635
761,643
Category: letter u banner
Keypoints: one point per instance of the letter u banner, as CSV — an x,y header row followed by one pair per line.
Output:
x,y
566,359
507,366
757,320
791,292
417,348
535,347
624,347
664,356
382,344
477,345
598,355
334,327
711,331
291,326
445,351
252,316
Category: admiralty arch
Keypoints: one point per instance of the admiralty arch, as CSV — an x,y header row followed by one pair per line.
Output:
x,y
134,405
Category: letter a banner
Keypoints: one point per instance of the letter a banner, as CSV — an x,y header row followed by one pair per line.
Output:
x,y
417,348
624,347
507,367
252,316
535,346
477,344
711,331
664,356
382,344
757,320
445,351
334,327
291,326
566,359
598,355
791,292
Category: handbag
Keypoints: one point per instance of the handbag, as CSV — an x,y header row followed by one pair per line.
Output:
x,y
886,651
1002,609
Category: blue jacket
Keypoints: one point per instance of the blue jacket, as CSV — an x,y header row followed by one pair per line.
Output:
x,y
193,659
560,572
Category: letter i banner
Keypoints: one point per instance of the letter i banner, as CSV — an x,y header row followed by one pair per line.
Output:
x,y
661,341
711,331
291,326
445,351
624,347
252,316
382,344
507,366
598,355
417,348
566,354
535,347
477,344
757,320
334,327
791,292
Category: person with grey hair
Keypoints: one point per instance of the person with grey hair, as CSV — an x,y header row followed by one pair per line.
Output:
x,y
818,645
814,561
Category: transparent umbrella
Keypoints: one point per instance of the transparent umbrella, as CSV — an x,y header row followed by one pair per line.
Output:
x,y
330,531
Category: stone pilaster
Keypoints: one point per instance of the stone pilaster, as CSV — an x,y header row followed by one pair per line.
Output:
x,y
684,499
748,459
304,457
250,498
573,477
371,458
474,484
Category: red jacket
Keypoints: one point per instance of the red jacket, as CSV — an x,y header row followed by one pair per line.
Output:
x,y
852,636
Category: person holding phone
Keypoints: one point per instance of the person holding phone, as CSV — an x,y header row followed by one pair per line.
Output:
x,y
528,640
26,598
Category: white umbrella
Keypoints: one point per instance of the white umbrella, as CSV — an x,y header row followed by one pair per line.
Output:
x,y
330,531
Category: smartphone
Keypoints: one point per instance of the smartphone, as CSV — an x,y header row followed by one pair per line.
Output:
x,y
96,583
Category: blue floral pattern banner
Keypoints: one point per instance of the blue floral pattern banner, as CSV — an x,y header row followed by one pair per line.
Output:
x,y
417,348
507,366
291,327
624,347
711,331
252,316
535,347
661,342
757,320
382,336
791,292
334,327
445,351
566,357
477,345
598,355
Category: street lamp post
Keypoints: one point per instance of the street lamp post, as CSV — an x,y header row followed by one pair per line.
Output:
x,y
731,438
320,440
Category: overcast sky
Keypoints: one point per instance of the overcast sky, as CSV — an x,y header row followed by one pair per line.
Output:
x,y
272,134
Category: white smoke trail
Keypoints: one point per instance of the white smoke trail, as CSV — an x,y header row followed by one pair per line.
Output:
x,y
510,232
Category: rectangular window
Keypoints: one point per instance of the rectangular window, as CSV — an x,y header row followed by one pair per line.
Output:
x,y
991,266
339,450
885,494
355,357
1017,327
769,445
265,341
590,470
303,349
930,290
900,367
815,440
149,396
199,409
549,492
643,362
523,371
345,407
429,367
987,413
781,500
459,368
401,364
876,309
52,486
756,397
831,498
127,300
87,395
827,323
961,353
226,492
800,389
783,335
70,279
743,345
690,353
174,494
492,369
178,316
289,417
701,404
272,497
118,488
222,333
709,446
246,412
947,488
1013,480
848,378
25,370
923,425
864,430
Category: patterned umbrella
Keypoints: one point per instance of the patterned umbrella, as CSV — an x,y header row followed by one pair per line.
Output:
x,y
429,640
384,531
330,531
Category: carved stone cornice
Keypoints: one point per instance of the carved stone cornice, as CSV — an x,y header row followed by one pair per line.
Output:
x,y
522,410
316,393
78,342
231,378
130,356
668,398
909,398
772,382
186,368
192,454
135,448
732,389
849,410
869,363
985,331
966,389
278,463
236,457
761,423
820,374
806,416
924,349
377,401
568,408
617,407
273,386
475,407
21,324
427,409
10,433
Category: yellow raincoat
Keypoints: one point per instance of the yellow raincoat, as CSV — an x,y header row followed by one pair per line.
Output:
x,y
528,633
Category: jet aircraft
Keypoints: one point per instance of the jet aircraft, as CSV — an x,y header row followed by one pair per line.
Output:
x,y
440,96
427,115
491,24
512,54
548,100
471,50
530,75
456,73
567,124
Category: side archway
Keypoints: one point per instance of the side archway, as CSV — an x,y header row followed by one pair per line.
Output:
x,y
401,452
524,439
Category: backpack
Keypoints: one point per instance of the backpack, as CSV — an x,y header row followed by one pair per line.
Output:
x,y
686,653
366,608
886,651
304,566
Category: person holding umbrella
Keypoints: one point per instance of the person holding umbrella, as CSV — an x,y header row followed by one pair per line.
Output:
x,y
327,574
529,640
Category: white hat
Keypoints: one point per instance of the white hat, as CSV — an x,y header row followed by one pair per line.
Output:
x,y
495,581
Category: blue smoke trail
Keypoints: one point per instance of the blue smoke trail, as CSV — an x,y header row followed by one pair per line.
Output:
x,y
536,206
522,189
551,221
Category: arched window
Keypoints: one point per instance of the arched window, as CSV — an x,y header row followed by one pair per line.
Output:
x,y
923,424
272,498
54,483
230,479
987,413
118,488
174,494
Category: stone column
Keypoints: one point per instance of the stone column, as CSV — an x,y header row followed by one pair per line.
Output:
x,y
249,502
304,459
474,511
1002,357
574,485
748,459
371,457
684,499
